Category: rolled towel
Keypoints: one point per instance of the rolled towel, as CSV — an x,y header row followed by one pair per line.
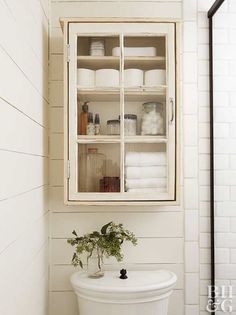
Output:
x,y
146,183
146,190
145,172
145,158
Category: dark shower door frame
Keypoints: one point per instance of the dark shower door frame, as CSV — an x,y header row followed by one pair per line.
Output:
x,y
217,4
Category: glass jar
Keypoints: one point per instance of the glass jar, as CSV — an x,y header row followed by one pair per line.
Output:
x,y
152,119
130,124
92,168
113,127
95,263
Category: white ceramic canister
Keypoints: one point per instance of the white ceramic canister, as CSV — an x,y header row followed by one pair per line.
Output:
x,y
85,77
155,77
133,77
107,78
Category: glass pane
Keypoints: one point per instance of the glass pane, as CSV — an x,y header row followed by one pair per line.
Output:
x,y
145,168
99,167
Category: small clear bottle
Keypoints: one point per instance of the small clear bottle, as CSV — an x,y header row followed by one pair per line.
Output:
x,y
90,125
97,125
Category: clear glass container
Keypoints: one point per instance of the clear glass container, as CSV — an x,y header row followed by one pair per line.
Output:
x,y
130,124
152,119
113,127
92,168
95,264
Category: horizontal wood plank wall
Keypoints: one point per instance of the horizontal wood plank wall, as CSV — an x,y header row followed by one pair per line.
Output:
x,y
24,215
159,230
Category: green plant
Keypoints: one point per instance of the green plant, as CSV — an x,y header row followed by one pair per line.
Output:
x,y
106,243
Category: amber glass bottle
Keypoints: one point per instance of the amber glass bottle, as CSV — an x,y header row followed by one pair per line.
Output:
x,y
83,119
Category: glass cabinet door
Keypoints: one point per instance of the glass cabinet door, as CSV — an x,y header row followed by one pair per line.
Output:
x,y
121,112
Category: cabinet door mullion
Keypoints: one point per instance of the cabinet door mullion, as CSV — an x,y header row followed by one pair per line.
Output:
x,y
122,108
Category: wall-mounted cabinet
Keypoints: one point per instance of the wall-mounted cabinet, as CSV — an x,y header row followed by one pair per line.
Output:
x,y
121,139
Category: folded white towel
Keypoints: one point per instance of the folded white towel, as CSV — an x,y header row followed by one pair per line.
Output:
x,y
146,190
146,183
145,172
145,158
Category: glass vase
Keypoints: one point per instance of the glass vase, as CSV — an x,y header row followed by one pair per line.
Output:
x,y
95,264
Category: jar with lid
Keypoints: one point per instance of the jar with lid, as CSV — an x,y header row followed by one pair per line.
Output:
x,y
113,127
92,168
130,124
152,119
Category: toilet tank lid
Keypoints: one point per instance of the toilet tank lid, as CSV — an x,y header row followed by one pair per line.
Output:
x,y
137,281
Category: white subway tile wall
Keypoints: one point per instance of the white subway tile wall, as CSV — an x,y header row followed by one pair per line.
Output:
x,y
24,106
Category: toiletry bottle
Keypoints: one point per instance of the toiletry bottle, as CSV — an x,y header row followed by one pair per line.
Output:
x,y
90,125
97,125
83,121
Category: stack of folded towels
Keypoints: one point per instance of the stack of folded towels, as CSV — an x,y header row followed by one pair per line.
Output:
x,y
145,171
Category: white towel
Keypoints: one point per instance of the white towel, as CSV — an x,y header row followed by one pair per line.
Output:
x,y
145,172
146,183
146,190
145,158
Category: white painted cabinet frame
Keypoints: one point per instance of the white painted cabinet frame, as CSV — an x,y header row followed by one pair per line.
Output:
x,y
73,29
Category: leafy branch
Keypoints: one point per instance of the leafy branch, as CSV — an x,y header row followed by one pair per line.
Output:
x,y
107,242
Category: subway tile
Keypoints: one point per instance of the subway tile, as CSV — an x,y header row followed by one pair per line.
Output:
x,y
191,194
190,36
204,130
205,240
222,256
190,162
220,36
221,162
226,209
203,67
190,10
221,99
191,288
205,256
191,257
190,67
222,193
205,271
222,224
203,96
191,310
204,161
204,146
190,99
233,194
191,225
190,130
204,177
203,36
205,224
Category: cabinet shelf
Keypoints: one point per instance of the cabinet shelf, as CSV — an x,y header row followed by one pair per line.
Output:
x,y
145,63
145,139
113,94
98,62
84,139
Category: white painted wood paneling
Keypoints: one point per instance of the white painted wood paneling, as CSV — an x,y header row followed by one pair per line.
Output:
x,y
19,212
143,225
165,10
149,250
21,173
15,135
23,157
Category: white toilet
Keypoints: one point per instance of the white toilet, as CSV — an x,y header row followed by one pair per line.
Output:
x,y
143,293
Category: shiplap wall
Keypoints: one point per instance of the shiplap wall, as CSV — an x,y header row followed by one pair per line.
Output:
x,y
160,233
23,157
